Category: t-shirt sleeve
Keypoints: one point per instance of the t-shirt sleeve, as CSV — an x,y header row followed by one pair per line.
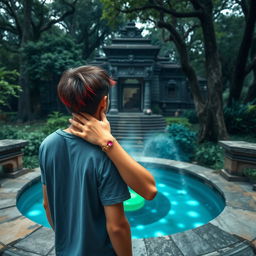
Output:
x,y
111,187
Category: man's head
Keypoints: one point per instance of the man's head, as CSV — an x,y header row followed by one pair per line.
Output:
x,y
85,89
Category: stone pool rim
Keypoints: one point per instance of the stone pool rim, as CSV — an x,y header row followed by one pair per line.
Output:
x,y
165,164
230,232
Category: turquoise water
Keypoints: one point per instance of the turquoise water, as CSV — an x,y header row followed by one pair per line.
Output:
x,y
183,202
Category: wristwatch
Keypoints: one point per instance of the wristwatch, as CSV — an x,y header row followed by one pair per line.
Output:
x,y
108,146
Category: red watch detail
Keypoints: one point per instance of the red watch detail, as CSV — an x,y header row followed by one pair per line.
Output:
x,y
108,146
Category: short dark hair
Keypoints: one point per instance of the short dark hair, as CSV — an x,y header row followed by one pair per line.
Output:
x,y
81,89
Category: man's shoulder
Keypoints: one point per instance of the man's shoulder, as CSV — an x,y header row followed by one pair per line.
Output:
x,y
50,140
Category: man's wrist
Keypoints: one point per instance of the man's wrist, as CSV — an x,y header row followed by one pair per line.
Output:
x,y
107,143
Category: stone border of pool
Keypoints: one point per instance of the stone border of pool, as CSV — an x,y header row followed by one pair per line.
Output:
x,y
230,233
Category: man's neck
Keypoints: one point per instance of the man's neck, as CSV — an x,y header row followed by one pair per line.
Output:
x,y
72,127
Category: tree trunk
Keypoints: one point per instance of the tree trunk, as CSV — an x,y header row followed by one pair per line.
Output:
x,y
251,94
210,113
214,127
24,104
242,57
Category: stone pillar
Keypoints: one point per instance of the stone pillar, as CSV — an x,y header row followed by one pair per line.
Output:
x,y
147,91
113,94
113,100
147,97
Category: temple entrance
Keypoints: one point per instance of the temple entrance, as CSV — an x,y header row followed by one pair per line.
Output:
x,y
131,95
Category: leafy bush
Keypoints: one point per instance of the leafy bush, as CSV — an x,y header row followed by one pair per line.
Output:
x,y
191,116
209,154
30,162
178,120
183,137
162,146
55,121
250,172
34,138
8,87
8,116
240,118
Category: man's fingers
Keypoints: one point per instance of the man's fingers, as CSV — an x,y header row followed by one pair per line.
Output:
x,y
76,124
80,118
87,116
75,132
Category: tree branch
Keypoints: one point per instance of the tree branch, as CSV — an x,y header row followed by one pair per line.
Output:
x,y
218,11
62,17
11,6
192,28
163,9
196,4
8,27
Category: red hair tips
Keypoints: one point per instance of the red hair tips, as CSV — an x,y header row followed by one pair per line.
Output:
x,y
112,82
65,102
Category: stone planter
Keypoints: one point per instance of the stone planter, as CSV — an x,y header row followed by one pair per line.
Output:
x,y
238,155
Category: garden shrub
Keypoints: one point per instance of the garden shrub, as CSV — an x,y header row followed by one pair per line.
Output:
x,y
209,154
240,118
191,115
178,120
184,138
162,146
34,138
8,132
56,120
30,162
250,173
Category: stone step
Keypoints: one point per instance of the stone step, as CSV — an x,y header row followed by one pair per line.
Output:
x,y
135,128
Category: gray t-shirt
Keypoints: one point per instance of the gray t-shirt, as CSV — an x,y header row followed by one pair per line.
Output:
x,y
80,180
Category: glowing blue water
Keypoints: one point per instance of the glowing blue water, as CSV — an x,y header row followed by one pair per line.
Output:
x,y
182,203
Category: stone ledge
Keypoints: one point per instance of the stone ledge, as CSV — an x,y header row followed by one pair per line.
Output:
x,y
221,236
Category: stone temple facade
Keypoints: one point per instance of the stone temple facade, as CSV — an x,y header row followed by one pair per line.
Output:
x,y
145,81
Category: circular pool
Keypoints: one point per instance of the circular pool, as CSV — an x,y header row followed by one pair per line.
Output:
x,y
184,201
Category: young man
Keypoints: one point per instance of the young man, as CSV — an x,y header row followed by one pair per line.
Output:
x,y
83,179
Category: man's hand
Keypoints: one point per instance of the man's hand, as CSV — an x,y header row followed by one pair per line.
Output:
x,y
90,129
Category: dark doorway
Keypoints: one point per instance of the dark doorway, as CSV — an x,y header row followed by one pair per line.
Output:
x,y
131,95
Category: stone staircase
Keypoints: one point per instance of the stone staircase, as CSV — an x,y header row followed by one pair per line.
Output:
x,y
133,129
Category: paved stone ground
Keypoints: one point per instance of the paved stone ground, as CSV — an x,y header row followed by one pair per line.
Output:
x,y
233,232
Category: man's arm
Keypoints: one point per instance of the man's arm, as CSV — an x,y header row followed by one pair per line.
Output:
x,y
133,174
118,229
46,206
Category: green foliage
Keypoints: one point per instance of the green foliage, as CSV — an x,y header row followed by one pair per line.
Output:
x,y
34,138
46,64
7,87
30,162
178,120
228,38
240,118
191,116
87,27
56,120
183,137
209,154
250,173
